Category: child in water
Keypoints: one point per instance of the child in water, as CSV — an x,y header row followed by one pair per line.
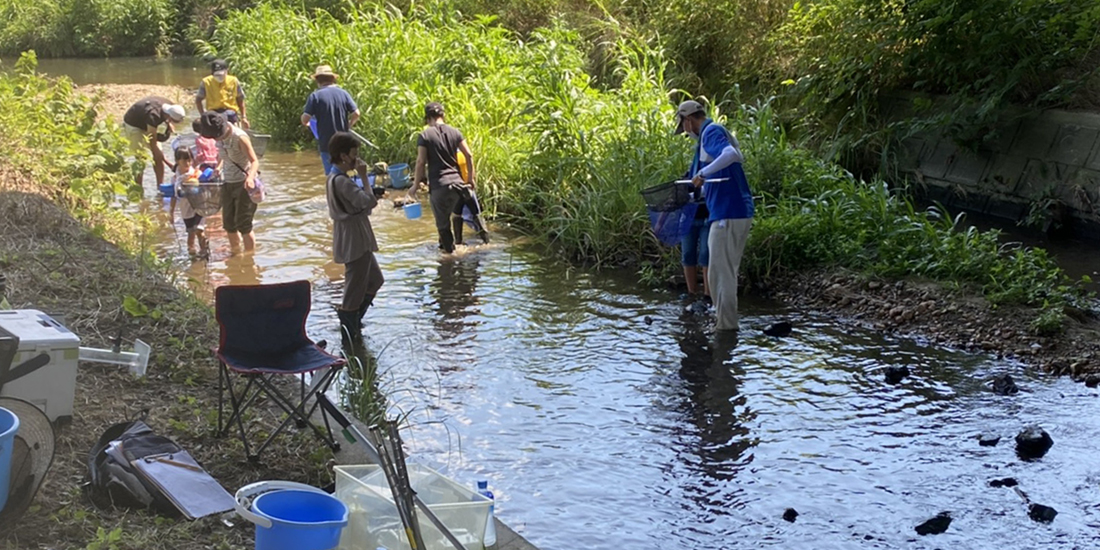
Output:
x,y
206,151
187,174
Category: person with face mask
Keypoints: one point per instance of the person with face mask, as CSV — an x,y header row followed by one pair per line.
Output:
x,y
353,242
223,93
717,163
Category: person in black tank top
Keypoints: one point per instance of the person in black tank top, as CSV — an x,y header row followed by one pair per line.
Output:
x,y
437,151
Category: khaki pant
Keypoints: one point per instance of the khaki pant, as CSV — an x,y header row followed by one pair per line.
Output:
x,y
362,278
727,244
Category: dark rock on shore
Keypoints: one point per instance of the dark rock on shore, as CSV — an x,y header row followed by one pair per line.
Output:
x,y
1004,482
790,514
1005,385
989,440
935,525
1092,380
896,374
1040,513
779,330
1033,443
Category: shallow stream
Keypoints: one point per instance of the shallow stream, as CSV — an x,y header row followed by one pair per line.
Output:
x,y
605,418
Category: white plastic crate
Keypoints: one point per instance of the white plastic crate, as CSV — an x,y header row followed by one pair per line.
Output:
x,y
373,521
52,387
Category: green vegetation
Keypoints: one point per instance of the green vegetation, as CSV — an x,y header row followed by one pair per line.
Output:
x,y
86,28
528,108
563,159
49,135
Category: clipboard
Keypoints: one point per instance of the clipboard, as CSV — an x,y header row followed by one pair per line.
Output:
x,y
192,491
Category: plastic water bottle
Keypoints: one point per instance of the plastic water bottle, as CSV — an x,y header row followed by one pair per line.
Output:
x,y
490,540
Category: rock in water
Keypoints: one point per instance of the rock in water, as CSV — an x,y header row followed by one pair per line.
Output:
x,y
1005,385
1005,482
896,374
779,330
1040,513
935,525
1033,443
989,440
790,515
1092,380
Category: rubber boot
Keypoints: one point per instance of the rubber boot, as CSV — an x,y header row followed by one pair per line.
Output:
x,y
484,236
351,328
456,228
367,302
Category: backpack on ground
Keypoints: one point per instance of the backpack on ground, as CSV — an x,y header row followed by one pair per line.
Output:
x,y
113,480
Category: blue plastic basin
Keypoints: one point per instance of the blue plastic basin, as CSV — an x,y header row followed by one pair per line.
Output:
x,y
412,210
9,426
300,520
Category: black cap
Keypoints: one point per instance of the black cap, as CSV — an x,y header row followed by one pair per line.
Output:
x,y
433,110
219,65
212,125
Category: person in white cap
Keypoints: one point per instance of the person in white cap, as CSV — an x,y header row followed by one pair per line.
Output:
x,y
717,164
141,124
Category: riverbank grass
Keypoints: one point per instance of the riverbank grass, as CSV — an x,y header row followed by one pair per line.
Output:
x,y
68,248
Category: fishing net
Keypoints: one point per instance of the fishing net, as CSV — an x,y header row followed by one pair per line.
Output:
x,y
205,198
671,211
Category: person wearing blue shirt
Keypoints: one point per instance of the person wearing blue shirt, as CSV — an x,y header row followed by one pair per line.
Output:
x,y
717,163
332,108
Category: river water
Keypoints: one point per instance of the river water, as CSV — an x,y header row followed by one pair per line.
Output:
x,y
603,417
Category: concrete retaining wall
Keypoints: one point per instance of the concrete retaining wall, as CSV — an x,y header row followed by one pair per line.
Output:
x,y
1046,162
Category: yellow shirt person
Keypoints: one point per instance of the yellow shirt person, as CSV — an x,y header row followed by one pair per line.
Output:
x,y
223,93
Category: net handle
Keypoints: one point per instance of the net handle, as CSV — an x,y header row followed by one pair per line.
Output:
x,y
716,180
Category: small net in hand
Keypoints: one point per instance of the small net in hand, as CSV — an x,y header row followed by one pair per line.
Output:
x,y
205,198
671,211
667,196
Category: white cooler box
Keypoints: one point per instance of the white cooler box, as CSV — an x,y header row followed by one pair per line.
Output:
x,y
52,387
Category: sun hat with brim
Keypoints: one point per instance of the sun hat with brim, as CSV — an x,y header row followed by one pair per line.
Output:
x,y
686,109
175,112
212,125
31,457
324,70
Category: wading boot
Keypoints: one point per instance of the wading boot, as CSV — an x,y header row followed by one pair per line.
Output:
x,y
351,329
367,302
456,228
484,236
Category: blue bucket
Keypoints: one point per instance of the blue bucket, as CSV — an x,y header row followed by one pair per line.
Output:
x,y
9,426
300,520
166,189
412,210
399,175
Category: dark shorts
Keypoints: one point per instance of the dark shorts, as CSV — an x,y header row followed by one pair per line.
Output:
x,y
237,208
193,223
694,250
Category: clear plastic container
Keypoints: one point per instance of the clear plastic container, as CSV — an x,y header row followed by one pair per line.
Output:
x,y
373,521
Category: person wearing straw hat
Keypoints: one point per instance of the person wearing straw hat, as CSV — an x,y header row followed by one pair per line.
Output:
x,y
223,93
332,108
717,163
141,125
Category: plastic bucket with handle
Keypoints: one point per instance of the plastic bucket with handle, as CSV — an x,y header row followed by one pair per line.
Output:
x,y
412,210
9,426
399,175
292,516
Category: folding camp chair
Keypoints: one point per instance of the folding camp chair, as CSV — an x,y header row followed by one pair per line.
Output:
x,y
263,337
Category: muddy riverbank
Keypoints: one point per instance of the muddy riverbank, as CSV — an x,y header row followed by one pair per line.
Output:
x,y
959,319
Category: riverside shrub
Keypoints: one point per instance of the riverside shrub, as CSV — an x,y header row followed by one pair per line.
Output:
x,y
560,156
50,133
